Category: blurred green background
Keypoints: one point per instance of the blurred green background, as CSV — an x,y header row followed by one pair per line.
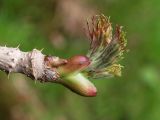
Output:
x,y
58,27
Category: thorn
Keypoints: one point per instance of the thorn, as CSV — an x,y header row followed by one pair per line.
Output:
x,y
18,46
41,49
8,74
35,81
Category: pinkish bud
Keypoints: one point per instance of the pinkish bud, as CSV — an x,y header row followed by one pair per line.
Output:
x,y
74,64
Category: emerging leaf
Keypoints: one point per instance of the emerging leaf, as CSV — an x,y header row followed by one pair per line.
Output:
x,y
101,61
105,49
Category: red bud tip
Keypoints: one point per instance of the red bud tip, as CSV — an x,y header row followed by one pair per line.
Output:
x,y
92,91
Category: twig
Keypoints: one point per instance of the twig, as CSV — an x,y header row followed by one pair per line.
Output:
x,y
34,64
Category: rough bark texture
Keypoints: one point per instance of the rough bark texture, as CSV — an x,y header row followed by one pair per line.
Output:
x,y
32,64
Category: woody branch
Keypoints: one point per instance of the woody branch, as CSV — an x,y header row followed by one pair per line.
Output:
x,y
34,64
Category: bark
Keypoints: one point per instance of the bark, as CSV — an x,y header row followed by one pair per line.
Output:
x,y
34,64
